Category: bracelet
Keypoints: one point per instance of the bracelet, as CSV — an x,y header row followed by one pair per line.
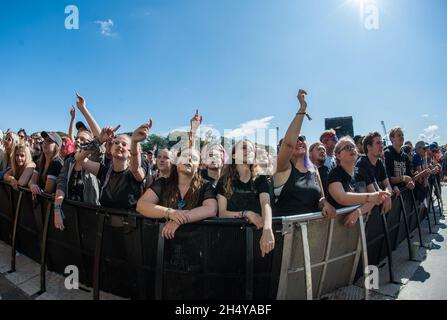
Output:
x,y
244,214
167,212
57,206
304,113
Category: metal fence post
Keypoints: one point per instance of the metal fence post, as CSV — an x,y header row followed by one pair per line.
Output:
x,y
98,255
14,233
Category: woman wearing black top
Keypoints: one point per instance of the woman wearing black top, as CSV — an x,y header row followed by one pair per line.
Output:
x,y
298,188
184,197
48,166
122,182
242,193
341,184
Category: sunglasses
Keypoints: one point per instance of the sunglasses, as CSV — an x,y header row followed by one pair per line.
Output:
x,y
302,138
348,147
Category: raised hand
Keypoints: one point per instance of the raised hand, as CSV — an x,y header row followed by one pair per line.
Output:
x,y
302,98
72,112
142,132
108,133
80,102
196,121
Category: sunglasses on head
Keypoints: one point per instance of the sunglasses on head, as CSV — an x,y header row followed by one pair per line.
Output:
x,y
302,138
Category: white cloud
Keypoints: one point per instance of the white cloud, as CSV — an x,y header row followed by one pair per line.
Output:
x,y
430,133
249,128
425,115
431,129
106,27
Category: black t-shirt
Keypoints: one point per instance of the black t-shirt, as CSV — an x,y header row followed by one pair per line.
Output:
x,y
300,194
338,174
397,164
324,172
206,177
121,190
76,186
53,172
206,192
245,196
366,172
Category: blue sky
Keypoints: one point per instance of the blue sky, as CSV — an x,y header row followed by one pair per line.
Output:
x,y
240,62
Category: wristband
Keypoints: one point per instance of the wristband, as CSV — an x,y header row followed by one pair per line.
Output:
x,y
304,113
167,212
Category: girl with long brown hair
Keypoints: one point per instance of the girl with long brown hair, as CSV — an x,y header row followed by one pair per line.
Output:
x,y
182,198
243,193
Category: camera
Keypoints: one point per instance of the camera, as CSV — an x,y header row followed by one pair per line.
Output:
x,y
91,146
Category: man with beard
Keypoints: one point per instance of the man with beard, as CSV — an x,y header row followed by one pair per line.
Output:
x,y
36,146
397,163
317,154
370,169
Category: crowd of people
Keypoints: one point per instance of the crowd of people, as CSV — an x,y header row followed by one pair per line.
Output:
x,y
190,183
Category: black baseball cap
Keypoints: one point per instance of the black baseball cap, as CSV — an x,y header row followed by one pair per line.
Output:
x,y
80,125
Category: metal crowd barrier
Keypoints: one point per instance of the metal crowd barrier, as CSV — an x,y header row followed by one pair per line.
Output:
x,y
123,253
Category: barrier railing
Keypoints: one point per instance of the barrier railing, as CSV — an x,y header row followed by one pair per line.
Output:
x,y
123,252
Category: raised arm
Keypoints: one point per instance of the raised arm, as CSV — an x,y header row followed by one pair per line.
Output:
x,y
82,106
140,134
72,120
196,121
289,142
